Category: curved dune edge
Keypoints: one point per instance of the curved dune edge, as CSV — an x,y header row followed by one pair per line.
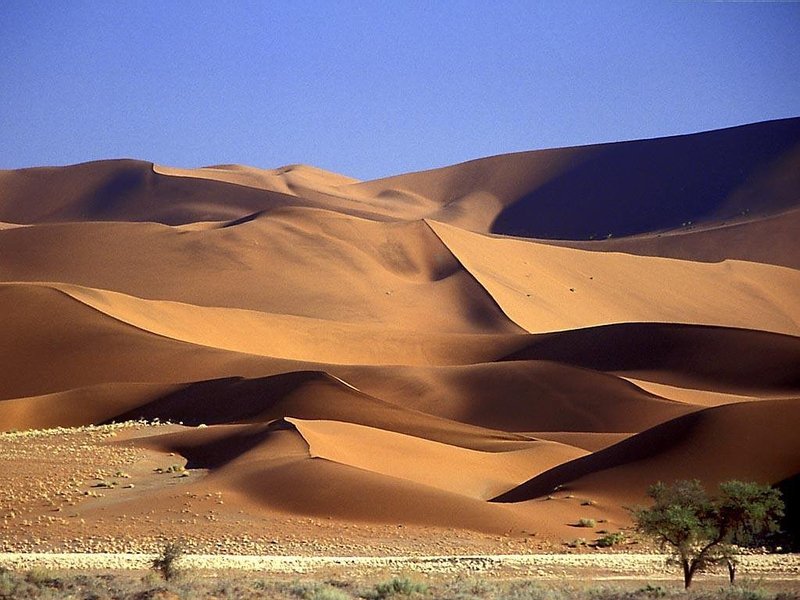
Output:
x,y
270,466
282,179
313,395
696,397
315,187
478,475
521,395
286,336
331,266
79,406
550,288
624,188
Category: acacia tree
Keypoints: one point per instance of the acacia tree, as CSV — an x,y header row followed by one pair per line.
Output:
x,y
700,531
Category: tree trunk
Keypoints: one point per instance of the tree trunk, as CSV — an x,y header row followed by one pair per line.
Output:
x,y
731,570
688,572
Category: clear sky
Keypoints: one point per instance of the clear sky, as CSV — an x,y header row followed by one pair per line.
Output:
x,y
372,88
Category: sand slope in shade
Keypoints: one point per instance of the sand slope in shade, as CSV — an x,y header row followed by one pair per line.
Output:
x,y
388,352
620,189
521,395
706,445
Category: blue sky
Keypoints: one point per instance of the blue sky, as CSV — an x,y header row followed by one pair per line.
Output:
x,y
373,88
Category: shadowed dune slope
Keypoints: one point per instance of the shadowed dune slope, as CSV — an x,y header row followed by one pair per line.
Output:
x,y
313,395
620,188
78,406
429,462
715,358
747,441
53,343
520,395
286,336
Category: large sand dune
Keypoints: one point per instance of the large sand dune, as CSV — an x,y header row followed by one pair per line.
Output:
x,y
443,349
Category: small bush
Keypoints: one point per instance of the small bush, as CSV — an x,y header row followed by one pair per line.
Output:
x,y
8,583
318,591
327,592
610,539
587,523
167,561
652,591
171,469
399,586
41,577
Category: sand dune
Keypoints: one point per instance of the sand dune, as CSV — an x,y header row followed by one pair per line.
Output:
x,y
521,395
619,189
740,239
690,356
705,445
546,288
400,352
313,395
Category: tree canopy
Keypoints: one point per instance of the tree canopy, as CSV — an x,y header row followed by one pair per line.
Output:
x,y
701,531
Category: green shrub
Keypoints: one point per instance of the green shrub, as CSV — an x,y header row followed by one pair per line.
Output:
x,y
317,591
652,591
587,523
40,577
8,583
398,586
610,539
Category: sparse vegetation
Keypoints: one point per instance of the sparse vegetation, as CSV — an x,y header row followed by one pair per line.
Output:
x,y
176,468
587,522
398,586
42,585
318,591
167,563
701,531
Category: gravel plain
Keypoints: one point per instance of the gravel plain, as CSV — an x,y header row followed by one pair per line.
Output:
x,y
784,566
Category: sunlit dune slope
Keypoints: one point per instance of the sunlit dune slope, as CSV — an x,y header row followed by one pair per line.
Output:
x,y
545,288
770,240
405,350
274,467
303,263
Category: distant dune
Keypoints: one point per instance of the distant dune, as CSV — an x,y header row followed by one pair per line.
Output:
x,y
441,349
